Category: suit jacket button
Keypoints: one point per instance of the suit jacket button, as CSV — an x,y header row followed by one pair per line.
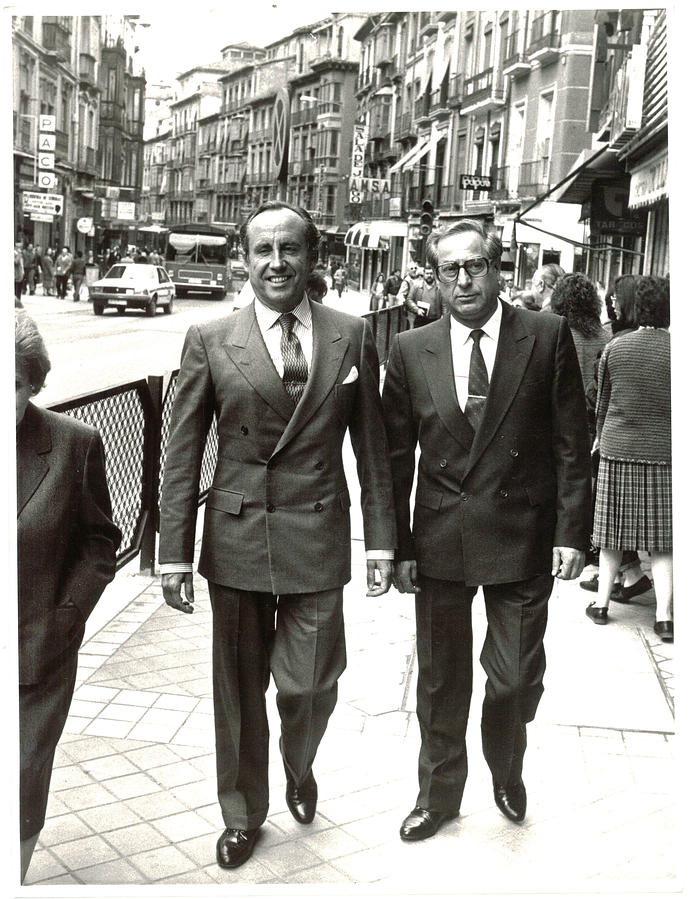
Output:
x,y
514,453
270,507
318,507
244,430
503,492
464,497
443,463
320,465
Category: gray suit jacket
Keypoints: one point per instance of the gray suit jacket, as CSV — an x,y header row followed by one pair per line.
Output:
x,y
277,514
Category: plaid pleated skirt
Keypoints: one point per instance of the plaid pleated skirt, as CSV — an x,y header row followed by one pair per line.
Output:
x,y
633,506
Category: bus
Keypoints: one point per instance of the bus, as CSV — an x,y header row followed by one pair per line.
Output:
x,y
196,259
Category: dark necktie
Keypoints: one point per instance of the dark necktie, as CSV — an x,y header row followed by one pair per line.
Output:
x,y
295,365
478,383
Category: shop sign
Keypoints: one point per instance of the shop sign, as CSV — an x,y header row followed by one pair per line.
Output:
x,y
85,224
357,161
370,185
648,182
475,182
609,213
126,211
40,217
46,204
157,216
395,206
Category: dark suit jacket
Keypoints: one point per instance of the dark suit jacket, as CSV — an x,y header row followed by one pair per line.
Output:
x,y
66,540
277,514
489,508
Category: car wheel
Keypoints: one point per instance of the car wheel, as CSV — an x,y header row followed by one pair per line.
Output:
x,y
150,310
121,310
168,308
98,309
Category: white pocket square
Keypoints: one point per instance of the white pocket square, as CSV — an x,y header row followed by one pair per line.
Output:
x,y
352,376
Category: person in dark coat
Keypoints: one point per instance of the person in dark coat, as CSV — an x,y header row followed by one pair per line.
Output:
x,y
66,555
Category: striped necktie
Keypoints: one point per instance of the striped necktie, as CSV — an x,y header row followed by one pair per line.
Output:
x,y
478,383
295,365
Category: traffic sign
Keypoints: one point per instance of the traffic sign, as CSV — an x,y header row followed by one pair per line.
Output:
x,y
48,204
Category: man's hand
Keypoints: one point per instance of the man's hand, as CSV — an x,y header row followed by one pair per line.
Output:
x,y
567,562
171,584
405,577
386,568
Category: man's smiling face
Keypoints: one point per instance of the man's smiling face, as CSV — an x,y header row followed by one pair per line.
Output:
x,y
278,259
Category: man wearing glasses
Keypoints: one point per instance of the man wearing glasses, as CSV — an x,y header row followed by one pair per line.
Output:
x,y
492,395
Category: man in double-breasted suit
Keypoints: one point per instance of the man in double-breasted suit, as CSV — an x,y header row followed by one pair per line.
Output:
x,y
285,377
492,395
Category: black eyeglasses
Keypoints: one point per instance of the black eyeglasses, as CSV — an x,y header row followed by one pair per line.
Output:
x,y
475,268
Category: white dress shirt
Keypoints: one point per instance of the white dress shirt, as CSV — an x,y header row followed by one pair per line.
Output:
x,y
271,330
462,345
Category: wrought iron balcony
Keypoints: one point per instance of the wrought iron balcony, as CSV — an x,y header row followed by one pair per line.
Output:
x,y
111,113
515,63
404,127
86,160
422,107
439,100
545,39
480,91
305,116
56,37
534,177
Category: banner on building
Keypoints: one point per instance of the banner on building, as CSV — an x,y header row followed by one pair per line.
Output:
x,y
648,182
42,204
369,186
357,162
475,182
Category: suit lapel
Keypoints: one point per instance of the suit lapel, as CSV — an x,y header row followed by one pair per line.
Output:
x,y
436,359
248,351
329,348
34,443
514,349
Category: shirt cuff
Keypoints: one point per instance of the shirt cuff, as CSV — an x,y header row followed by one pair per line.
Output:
x,y
175,568
380,554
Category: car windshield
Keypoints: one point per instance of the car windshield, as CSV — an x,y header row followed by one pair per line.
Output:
x,y
132,272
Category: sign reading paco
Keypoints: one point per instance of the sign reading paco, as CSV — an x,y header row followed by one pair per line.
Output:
x,y
475,182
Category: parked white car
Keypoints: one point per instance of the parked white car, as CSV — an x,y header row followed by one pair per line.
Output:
x,y
133,286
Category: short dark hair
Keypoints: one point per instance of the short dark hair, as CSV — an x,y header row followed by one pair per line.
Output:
x,y
316,287
652,301
492,243
576,298
30,350
312,233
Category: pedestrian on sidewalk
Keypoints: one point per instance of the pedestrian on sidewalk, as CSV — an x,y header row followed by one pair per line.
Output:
x,y
633,508
339,280
18,274
29,257
48,272
62,270
425,300
66,555
392,286
286,377
78,271
492,394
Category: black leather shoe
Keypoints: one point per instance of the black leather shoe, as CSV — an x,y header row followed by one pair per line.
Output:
x,y
593,586
665,631
511,799
234,847
598,614
422,823
625,594
302,800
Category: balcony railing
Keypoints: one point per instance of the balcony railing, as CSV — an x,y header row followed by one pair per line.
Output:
x,y
422,106
623,111
257,135
61,144
499,183
87,69
479,88
515,61
545,38
534,177
379,127
439,98
376,207
305,116
404,127
57,40
367,79
23,133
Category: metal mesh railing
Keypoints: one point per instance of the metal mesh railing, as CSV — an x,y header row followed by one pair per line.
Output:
x,y
209,459
123,416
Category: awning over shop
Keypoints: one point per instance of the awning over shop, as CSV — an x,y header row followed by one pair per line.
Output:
x,y
369,234
648,181
577,185
407,156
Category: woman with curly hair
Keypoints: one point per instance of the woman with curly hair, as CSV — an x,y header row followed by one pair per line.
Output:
x,y
575,297
633,497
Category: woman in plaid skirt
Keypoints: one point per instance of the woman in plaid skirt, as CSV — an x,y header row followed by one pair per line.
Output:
x,y
633,418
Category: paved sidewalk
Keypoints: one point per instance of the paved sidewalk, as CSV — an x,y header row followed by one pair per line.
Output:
x,y
133,791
